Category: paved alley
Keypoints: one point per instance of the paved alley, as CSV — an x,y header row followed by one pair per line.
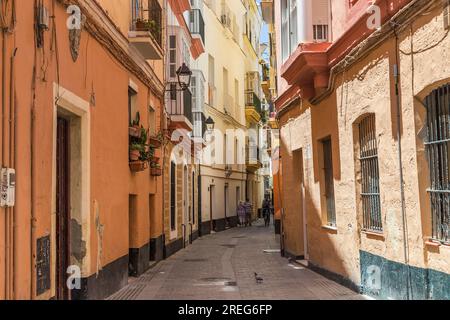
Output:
x,y
222,266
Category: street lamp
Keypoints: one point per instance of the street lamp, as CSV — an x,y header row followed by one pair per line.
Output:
x,y
210,124
184,76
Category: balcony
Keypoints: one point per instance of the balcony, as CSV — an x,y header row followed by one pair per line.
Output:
x,y
198,90
253,109
265,84
146,29
197,24
179,107
253,161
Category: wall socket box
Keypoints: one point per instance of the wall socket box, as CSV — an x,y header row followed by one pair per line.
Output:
x,y
8,187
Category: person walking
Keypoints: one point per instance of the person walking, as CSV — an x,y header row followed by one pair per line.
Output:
x,y
266,211
242,214
248,212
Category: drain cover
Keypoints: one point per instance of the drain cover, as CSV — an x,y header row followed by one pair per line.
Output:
x,y
239,237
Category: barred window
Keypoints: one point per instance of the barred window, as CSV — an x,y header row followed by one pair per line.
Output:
x,y
437,146
370,175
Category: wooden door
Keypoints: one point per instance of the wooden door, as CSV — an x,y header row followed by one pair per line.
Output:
x,y
62,208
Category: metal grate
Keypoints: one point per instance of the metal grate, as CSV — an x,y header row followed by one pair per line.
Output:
x,y
437,146
370,175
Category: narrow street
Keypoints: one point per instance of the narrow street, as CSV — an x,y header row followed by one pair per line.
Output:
x,y
222,266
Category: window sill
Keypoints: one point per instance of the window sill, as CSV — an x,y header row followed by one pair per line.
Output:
x,y
435,244
330,228
373,234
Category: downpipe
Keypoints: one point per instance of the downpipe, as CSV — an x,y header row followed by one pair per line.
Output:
x,y
397,79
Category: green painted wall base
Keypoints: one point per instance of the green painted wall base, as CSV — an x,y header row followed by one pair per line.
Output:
x,y
386,279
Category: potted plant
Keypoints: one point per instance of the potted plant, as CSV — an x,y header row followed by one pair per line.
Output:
x,y
135,152
138,166
156,170
135,128
140,25
156,141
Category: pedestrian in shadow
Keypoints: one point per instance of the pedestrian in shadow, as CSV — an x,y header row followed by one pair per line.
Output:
x,y
242,214
266,211
248,212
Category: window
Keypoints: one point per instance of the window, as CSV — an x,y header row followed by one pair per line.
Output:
x,y
370,181
173,196
320,33
226,102
172,56
152,120
289,38
328,179
186,54
437,147
132,110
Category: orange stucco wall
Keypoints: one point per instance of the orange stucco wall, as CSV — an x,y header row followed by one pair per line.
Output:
x,y
96,72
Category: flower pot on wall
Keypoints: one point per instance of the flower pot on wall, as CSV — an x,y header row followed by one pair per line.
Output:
x,y
134,132
138,166
134,155
156,172
155,143
155,160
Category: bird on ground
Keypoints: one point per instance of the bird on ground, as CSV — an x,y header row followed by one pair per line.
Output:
x,y
258,279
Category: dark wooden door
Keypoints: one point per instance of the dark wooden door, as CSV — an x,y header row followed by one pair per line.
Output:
x,y
62,209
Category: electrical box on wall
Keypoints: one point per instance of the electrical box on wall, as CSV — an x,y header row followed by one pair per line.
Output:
x,y
8,187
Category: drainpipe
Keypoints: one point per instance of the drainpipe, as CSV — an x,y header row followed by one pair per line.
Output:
x,y
400,163
13,164
7,223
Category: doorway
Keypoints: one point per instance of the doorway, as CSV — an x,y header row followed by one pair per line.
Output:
x,y
186,211
62,207
299,163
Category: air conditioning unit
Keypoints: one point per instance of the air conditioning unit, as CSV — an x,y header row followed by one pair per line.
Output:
x,y
8,187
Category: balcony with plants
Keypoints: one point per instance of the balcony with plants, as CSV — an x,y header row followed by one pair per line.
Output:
x,y
146,28
253,106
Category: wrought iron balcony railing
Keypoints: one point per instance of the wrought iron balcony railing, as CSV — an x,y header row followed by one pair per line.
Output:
x,y
147,16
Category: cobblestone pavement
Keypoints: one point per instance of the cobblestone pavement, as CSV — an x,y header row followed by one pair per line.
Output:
x,y
222,265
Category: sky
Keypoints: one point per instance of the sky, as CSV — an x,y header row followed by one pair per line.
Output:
x,y
264,36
